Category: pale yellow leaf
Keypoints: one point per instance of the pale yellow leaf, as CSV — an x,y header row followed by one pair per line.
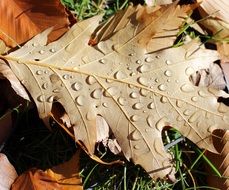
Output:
x,y
137,92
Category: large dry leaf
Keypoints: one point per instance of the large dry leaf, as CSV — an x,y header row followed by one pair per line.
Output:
x,y
218,23
220,161
7,173
136,91
23,19
62,177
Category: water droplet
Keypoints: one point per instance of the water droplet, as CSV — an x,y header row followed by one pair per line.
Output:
x,y
143,68
66,76
77,86
187,88
142,81
105,104
131,54
137,106
150,120
34,44
194,117
39,72
168,80
148,59
80,100
202,94
137,147
159,147
168,62
179,103
151,105
189,71
161,123
129,68
187,112
120,75
194,99
130,86
50,99
138,61
168,73
122,101
134,95
41,51
132,74
143,92
90,80
97,93
41,98
113,90
23,81
157,56
109,80
52,50
102,61
46,72
56,90
162,87
164,99
222,108
45,85
179,118
134,118
135,135
156,80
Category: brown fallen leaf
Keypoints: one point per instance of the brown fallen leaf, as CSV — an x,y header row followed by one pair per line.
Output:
x,y
137,92
220,161
217,21
62,177
7,173
23,19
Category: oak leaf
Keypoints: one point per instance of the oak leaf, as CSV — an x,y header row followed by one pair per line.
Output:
x,y
138,90
23,19
62,177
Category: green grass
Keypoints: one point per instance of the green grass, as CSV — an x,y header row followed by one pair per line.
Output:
x,y
33,145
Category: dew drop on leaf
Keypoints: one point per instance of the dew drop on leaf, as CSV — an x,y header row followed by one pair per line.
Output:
x,y
77,86
45,85
134,95
151,105
168,73
50,99
80,100
189,71
39,72
150,120
135,135
143,68
122,101
97,93
41,51
143,81
187,88
137,106
90,80
120,75
41,98
134,118
162,87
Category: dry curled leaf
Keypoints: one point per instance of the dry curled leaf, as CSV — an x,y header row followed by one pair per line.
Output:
x,y
216,20
137,91
62,177
23,19
220,161
7,173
